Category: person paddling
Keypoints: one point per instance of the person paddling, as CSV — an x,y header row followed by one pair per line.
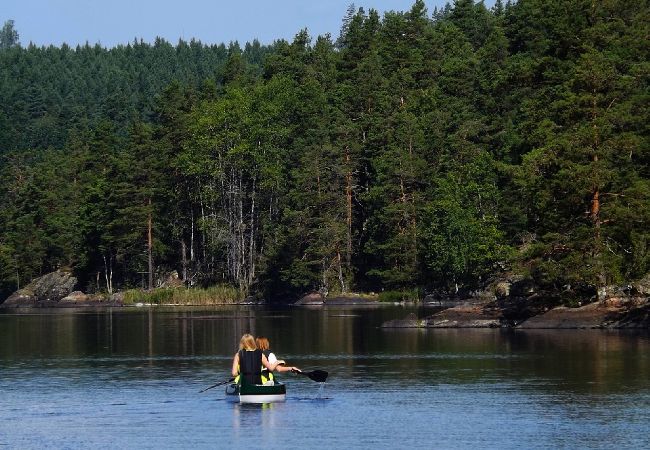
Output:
x,y
263,345
249,360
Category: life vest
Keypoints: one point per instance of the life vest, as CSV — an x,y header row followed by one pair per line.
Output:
x,y
250,363
267,375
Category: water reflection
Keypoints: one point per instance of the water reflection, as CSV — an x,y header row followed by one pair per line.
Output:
x,y
131,378
144,343
248,416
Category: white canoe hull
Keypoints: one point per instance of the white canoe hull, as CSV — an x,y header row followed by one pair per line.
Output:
x,y
262,398
256,394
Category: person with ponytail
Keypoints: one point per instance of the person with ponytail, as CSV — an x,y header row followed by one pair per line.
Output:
x,y
249,362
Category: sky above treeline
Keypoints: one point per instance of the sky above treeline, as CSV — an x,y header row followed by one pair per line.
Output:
x,y
114,22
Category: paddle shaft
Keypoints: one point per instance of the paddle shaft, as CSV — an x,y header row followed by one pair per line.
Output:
x,y
218,384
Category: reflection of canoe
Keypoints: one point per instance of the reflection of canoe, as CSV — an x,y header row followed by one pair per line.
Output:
x,y
256,393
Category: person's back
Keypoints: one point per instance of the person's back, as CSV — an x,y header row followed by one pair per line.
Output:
x,y
250,365
249,362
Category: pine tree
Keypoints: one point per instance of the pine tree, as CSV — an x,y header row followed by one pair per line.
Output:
x,y
584,176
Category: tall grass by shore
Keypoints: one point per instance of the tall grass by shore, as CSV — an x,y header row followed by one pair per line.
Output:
x,y
405,295
214,295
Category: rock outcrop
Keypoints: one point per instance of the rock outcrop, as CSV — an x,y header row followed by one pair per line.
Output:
x,y
78,298
522,305
465,317
313,298
55,290
611,313
74,298
410,321
461,316
44,291
317,298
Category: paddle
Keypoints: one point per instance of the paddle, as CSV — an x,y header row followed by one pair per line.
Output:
x,y
317,375
218,384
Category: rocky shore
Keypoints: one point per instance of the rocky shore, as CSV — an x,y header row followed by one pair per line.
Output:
x,y
318,299
524,306
56,290
509,303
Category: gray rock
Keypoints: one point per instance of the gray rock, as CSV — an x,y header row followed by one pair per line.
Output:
x,y
643,286
117,298
589,316
410,321
463,323
74,298
78,298
465,317
615,312
313,298
23,298
638,318
47,290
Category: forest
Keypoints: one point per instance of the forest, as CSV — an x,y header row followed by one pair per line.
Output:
x,y
415,151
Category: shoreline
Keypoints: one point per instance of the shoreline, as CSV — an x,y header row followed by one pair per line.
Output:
x,y
632,315
613,313
504,304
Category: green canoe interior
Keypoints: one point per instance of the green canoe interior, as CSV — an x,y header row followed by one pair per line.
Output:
x,y
246,388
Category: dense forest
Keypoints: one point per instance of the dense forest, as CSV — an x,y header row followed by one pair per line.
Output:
x,y
417,150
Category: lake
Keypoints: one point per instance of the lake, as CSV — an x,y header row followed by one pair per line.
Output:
x,y
130,377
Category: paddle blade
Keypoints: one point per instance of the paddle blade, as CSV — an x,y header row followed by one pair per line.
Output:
x,y
317,375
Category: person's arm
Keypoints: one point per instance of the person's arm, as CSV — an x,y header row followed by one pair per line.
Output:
x,y
235,365
276,366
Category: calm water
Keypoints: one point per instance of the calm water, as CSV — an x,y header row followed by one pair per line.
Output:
x,y
130,378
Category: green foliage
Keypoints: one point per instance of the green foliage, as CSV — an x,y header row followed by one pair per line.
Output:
x,y
462,242
407,295
583,178
8,36
416,151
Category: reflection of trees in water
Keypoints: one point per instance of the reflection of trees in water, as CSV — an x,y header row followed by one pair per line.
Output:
x,y
586,360
341,339
547,360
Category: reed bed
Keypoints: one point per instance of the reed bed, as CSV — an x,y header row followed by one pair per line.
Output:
x,y
214,295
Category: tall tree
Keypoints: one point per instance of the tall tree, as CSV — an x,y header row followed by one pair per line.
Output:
x,y
589,170
8,36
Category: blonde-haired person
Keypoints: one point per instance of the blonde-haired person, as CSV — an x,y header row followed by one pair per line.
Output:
x,y
249,360
263,344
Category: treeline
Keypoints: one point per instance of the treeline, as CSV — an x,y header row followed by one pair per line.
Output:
x,y
415,151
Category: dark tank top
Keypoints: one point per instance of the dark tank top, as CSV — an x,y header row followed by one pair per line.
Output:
x,y
250,365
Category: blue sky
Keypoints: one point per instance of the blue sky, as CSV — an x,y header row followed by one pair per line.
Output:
x,y
113,22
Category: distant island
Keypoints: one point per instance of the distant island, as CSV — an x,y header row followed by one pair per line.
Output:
x,y
448,154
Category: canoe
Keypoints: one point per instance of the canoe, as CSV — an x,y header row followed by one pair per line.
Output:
x,y
256,393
